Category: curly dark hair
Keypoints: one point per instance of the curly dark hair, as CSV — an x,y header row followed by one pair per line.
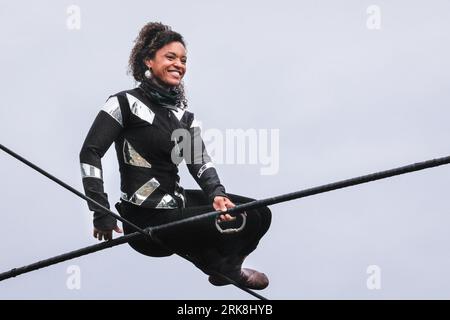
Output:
x,y
152,37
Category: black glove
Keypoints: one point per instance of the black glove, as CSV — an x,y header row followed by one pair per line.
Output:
x,y
104,221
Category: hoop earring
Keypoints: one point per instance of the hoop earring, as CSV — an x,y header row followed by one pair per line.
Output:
x,y
148,73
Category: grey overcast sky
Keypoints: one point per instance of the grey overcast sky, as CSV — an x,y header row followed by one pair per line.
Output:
x,y
352,86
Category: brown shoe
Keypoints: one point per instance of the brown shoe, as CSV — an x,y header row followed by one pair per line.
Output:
x,y
253,279
249,278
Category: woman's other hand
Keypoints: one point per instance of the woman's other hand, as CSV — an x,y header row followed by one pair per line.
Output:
x,y
105,234
222,204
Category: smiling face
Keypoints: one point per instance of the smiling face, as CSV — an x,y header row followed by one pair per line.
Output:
x,y
169,63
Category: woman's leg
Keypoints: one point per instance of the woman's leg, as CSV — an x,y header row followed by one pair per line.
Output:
x,y
193,238
201,240
233,246
143,219
230,250
264,217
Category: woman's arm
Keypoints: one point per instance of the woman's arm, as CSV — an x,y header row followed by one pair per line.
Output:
x,y
104,131
202,169
200,165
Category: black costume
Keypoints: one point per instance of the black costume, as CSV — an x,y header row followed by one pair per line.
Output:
x,y
141,122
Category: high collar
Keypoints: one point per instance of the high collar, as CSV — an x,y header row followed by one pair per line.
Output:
x,y
166,97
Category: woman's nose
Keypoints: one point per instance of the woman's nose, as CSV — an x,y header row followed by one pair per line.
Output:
x,y
179,64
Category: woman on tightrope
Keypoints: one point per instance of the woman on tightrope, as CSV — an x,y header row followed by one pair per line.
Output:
x,y
153,131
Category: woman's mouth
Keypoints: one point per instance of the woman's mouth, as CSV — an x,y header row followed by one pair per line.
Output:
x,y
175,73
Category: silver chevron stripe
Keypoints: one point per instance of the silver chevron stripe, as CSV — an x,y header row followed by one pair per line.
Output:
x,y
179,113
132,157
89,171
112,107
203,168
167,202
139,109
144,192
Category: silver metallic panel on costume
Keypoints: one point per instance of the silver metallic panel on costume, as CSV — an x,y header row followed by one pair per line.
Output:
x,y
112,107
132,157
144,192
139,109
167,202
179,113
203,168
89,171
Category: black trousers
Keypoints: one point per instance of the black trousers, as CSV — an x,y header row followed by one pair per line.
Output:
x,y
201,240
